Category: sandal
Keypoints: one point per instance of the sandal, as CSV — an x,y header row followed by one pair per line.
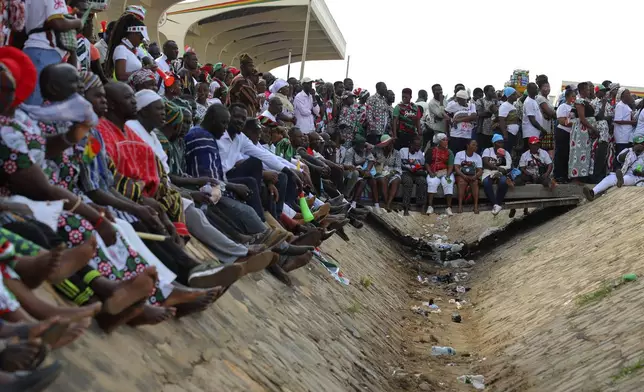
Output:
x,y
34,381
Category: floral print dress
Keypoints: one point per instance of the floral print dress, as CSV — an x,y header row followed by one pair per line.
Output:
x,y
21,146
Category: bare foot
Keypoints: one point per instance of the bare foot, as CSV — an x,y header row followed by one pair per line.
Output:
x,y
34,270
75,331
152,315
200,304
460,209
182,296
108,323
74,259
26,331
128,293
476,210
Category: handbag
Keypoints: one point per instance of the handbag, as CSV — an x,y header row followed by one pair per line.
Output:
x,y
65,40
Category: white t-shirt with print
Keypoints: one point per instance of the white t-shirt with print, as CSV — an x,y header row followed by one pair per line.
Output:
x,y
36,14
531,108
530,161
565,110
463,160
623,132
504,111
462,130
132,62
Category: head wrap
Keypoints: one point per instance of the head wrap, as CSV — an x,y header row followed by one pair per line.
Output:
x,y
18,77
145,98
90,80
620,91
137,11
219,66
139,77
462,94
173,113
508,91
438,137
207,68
614,86
364,94
278,85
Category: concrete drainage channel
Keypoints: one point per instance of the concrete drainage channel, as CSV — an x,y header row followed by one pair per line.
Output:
x,y
441,342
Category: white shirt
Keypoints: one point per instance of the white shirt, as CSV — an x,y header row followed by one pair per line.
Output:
x,y
529,161
132,62
639,129
268,148
462,130
269,115
565,110
410,160
491,153
531,108
163,65
36,14
504,111
462,159
623,132
232,151
305,112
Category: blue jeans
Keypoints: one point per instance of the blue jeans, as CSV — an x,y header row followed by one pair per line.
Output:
x,y
41,58
502,188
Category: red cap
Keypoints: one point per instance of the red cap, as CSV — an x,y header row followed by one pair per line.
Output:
x,y
596,89
234,71
533,140
23,72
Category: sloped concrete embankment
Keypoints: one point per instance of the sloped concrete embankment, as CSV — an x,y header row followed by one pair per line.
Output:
x,y
263,336
546,316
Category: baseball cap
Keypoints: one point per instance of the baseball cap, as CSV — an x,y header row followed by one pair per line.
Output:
x,y
533,140
307,80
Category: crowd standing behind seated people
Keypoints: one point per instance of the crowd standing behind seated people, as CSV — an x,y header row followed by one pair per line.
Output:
x,y
132,138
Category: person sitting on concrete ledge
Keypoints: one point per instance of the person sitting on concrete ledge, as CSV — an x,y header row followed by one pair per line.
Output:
x,y
359,169
439,163
536,165
631,173
468,166
497,163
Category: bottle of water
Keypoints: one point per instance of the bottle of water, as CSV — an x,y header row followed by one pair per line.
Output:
x,y
439,350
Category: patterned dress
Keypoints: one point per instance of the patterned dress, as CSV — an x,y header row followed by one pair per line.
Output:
x,y
581,161
22,146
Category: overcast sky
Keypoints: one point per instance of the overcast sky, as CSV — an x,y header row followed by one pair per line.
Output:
x,y
416,43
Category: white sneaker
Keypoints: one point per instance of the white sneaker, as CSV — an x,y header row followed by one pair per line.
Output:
x,y
430,210
377,210
448,211
496,209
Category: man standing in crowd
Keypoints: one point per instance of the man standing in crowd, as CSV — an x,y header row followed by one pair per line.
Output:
x,y
486,108
435,119
377,114
421,102
306,107
406,120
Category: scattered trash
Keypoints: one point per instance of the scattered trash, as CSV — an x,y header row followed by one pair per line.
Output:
x,y
629,278
456,317
459,263
426,309
478,382
462,289
459,304
440,350
333,268
461,276
451,364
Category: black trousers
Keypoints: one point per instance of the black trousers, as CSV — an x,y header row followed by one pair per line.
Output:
x,y
249,173
562,153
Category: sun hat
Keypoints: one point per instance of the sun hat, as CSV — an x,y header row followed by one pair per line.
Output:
x,y
497,138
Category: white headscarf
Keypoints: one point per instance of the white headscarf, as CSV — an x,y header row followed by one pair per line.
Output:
x,y
277,86
145,98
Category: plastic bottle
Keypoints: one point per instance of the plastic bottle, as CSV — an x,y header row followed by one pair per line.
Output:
x,y
477,381
304,209
440,350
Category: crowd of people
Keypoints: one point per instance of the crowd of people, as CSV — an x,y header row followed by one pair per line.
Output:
x,y
115,152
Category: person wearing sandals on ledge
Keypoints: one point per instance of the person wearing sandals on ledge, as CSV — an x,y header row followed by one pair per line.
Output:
x,y
497,163
439,163
631,173
468,166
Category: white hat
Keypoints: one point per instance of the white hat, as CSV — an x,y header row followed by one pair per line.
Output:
x,y
144,98
307,80
462,94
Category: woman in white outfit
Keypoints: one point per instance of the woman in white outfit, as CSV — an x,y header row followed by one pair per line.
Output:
x,y
439,163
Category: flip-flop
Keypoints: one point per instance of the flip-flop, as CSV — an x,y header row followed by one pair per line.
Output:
x,y
35,381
